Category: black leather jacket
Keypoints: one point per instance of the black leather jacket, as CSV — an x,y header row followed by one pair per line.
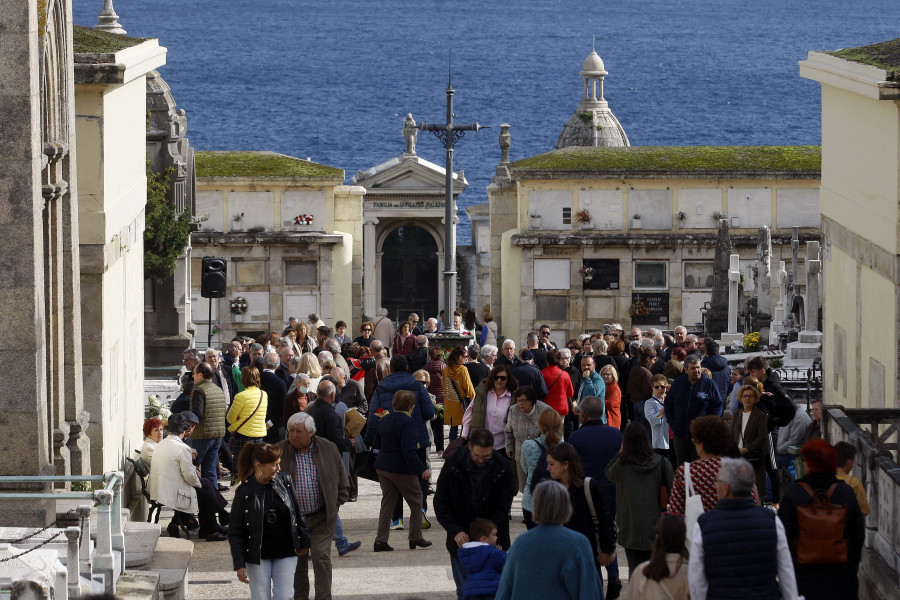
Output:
x,y
246,524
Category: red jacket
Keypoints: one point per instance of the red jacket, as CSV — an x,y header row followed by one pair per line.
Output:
x,y
559,389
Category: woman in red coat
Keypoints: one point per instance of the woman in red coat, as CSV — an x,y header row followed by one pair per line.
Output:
x,y
404,341
613,396
559,385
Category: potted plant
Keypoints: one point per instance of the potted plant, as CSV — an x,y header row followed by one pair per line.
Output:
x,y
304,220
681,216
583,219
535,220
236,222
718,215
636,221
239,307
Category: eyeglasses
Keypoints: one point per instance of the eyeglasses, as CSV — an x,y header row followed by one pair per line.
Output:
x,y
500,378
660,387
366,329
545,333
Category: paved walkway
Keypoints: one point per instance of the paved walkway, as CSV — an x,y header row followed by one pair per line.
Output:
x,y
402,574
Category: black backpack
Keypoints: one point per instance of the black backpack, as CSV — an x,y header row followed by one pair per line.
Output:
x,y
540,470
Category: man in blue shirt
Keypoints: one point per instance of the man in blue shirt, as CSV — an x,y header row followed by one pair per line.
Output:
x,y
692,395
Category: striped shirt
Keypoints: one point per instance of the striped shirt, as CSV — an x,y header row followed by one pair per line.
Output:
x,y
306,481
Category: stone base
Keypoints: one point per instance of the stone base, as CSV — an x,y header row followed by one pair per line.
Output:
x,y
729,339
801,350
811,337
138,585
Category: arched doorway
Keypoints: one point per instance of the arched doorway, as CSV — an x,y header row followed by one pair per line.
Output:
x,y
409,273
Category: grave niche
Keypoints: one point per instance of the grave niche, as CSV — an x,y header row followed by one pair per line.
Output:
x,y
606,274
658,305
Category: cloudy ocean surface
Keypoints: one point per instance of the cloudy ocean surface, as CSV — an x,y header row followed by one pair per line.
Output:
x,y
332,80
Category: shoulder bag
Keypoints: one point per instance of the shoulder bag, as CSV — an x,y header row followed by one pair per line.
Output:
x,y
590,502
258,404
693,503
463,400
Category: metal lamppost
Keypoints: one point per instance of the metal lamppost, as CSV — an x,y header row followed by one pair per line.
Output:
x,y
449,133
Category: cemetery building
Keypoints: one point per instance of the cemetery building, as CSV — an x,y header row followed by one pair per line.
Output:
x,y
403,232
860,223
291,232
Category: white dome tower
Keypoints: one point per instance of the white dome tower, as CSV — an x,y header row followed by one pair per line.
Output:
x,y
593,123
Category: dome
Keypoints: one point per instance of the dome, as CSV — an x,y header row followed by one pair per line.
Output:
x,y
593,65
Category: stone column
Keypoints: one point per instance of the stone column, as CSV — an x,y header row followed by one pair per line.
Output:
x,y
813,272
25,429
734,281
370,270
717,317
777,325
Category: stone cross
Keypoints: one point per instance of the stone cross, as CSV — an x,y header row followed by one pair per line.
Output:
x,y
734,281
795,247
813,273
764,270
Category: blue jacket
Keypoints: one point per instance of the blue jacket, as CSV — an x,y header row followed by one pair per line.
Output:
x,y
686,402
383,397
530,375
396,440
483,565
597,444
593,386
740,570
721,373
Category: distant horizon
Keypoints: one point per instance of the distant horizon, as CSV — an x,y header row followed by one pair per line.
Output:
x,y
334,80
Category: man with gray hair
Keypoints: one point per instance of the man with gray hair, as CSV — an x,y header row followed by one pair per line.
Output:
x,y
690,397
320,483
334,347
256,351
508,356
739,550
328,422
275,390
190,359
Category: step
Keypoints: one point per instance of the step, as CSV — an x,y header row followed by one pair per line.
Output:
x,y
138,585
140,543
171,559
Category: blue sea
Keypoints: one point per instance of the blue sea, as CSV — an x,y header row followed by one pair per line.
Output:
x,y
332,80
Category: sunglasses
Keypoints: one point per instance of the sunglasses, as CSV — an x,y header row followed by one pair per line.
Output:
x,y
660,387
500,378
545,333
366,329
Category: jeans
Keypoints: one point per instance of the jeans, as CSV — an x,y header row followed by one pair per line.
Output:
x,y
340,542
454,432
272,578
208,459
459,576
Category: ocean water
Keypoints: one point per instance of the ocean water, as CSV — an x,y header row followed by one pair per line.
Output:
x,y
332,80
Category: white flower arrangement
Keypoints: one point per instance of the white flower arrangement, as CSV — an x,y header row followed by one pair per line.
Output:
x,y
157,408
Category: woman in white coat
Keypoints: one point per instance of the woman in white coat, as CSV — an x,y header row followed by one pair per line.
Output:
x,y
173,477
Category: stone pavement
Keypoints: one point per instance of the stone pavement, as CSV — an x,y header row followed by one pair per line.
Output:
x,y
402,574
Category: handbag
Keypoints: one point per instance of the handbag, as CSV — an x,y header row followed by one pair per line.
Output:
x,y
590,503
693,503
463,400
364,463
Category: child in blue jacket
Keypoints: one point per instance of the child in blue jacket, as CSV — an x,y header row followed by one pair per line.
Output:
x,y
482,561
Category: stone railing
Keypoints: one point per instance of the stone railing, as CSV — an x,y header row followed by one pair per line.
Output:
x,y
870,431
107,558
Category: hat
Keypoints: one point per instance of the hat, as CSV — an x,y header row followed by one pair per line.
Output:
x,y
190,417
527,355
178,423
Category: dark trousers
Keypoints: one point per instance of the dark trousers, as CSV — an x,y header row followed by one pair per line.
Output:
x,y
437,427
634,558
209,503
684,450
423,485
398,487
354,480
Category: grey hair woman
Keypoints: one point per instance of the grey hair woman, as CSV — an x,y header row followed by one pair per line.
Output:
x,y
539,555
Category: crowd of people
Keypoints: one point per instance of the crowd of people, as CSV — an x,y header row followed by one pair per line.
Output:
x,y
646,441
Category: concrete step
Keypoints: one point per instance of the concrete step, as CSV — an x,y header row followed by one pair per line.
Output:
x,y
138,585
171,559
140,543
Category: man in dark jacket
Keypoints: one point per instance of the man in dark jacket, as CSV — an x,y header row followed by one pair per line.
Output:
x,y
691,396
275,391
383,396
328,422
477,481
478,370
417,358
779,405
597,444
718,366
528,374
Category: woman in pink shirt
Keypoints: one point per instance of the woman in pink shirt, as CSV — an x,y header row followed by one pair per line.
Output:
x,y
493,397
559,385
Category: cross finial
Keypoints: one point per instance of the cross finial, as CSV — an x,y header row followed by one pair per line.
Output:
x,y
594,43
450,69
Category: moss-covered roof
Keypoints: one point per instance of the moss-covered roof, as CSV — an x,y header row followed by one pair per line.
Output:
x,y
673,160
102,42
260,164
884,55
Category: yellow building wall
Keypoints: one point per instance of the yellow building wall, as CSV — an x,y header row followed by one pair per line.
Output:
x,y
840,347
511,282
879,308
861,153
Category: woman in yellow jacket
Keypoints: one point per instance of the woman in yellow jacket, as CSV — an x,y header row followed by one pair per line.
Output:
x,y
247,415
459,375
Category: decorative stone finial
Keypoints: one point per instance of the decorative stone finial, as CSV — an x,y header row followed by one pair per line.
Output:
x,y
109,20
505,141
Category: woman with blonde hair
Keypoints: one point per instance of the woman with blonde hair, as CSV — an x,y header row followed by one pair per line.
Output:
x,y
550,424
309,364
304,341
613,400
457,387
748,429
